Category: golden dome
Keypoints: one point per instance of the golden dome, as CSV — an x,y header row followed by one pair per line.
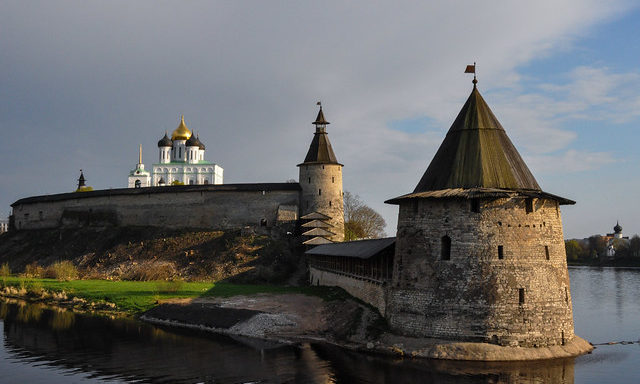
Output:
x,y
182,132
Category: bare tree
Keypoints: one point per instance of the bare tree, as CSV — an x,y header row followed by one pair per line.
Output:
x,y
360,220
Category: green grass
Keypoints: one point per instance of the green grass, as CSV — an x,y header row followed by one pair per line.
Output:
x,y
138,296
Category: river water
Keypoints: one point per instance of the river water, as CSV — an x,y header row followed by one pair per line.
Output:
x,y
43,345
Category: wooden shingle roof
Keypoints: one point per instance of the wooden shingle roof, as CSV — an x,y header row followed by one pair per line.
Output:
x,y
476,155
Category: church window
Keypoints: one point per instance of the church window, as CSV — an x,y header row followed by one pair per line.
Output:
x,y
333,179
40,215
319,192
309,180
528,202
329,202
520,296
180,152
475,205
445,248
500,252
138,184
546,251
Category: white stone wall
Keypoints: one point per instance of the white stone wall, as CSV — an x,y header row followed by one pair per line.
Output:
x,y
205,173
365,290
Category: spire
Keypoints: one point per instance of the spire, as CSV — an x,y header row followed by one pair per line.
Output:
x,y
617,228
477,153
320,150
140,155
320,122
81,180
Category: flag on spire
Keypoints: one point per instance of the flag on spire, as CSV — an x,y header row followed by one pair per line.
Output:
x,y
471,68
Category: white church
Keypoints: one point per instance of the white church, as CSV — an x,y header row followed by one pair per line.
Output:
x,y
180,161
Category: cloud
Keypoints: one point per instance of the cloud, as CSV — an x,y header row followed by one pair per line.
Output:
x,y
569,161
87,82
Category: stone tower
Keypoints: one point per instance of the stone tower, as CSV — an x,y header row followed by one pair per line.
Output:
x,y
480,252
321,180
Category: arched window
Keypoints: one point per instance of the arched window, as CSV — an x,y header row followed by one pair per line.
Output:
x,y
445,248
206,181
138,184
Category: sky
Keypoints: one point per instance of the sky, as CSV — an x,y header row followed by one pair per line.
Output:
x,y
82,84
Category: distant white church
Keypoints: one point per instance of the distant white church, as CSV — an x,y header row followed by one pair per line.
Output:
x,y
180,161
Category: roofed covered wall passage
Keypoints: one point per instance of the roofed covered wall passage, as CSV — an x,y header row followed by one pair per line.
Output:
x,y
480,249
363,268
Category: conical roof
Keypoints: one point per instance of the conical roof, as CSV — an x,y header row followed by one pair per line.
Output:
x,y
477,153
320,150
477,159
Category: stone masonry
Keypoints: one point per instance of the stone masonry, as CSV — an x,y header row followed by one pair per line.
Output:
x,y
505,282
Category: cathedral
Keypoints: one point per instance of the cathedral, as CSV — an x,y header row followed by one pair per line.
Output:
x,y
180,161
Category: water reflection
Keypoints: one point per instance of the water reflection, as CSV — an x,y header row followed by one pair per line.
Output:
x,y
127,350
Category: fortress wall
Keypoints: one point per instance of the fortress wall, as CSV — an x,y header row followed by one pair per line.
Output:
x,y
173,209
476,296
370,293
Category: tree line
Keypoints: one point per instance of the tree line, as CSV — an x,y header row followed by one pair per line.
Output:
x,y
595,247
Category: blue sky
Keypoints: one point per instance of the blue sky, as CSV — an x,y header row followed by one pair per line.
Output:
x,y
83,83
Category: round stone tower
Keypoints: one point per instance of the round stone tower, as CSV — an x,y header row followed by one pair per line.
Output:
x,y
480,251
321,181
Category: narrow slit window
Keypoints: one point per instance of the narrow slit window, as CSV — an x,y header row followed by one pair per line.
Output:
x,y
500,252
329,202
528,202
520,296
309,180
319,192
546,251
445,248
475,205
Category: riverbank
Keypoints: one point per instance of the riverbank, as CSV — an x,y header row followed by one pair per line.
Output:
x,y
290,315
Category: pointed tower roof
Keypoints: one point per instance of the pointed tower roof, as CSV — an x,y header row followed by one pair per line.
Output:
x,y
475,158
320,150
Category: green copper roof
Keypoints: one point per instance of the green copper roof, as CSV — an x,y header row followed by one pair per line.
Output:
x,y
476,153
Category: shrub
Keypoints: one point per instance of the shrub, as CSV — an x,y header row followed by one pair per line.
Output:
x,y
33,271
5,270
150,271
171,286
62,270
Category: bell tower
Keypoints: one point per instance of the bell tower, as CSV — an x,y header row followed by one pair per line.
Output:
x,y
321,181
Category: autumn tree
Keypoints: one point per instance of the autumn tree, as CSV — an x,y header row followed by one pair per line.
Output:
x,y
360,220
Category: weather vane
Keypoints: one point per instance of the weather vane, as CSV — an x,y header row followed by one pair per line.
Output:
x,y
472,69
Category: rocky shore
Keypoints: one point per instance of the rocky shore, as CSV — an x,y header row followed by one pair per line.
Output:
x,y
296,318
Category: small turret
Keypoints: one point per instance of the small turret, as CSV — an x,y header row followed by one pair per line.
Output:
x,y
82,187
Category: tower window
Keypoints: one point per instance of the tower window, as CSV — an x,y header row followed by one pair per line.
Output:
x,y
500,252
528,203
475,205
520,296
329,202
333,179
319,192
445,248
309,180
546,251
180,152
